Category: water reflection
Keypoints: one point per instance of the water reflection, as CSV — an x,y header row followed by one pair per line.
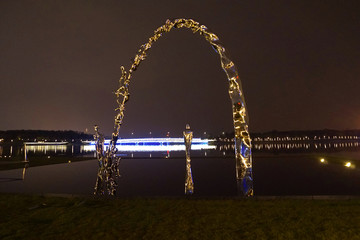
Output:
x,y
33,149
26,165
341,162
349,165
214,175
306,145
46,149
297,147
328,158
28,150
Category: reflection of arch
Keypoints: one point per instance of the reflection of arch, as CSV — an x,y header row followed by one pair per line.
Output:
x,y
242,138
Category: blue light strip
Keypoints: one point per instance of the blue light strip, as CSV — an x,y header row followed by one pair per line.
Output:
x,y
153,144
153,141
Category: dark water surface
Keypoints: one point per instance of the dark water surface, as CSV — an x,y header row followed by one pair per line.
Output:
x,y
213,175
307,175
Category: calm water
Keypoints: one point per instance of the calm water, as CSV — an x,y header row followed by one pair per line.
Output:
x,y
277,171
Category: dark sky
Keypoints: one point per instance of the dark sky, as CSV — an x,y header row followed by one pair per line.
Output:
x,y
299,63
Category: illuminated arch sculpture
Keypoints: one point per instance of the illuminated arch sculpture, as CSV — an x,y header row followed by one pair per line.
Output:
x,y
108,159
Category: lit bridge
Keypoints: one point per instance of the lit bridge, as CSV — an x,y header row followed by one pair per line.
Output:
x,y
153,144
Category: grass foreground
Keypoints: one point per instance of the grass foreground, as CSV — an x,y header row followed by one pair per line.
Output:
x,y
46,217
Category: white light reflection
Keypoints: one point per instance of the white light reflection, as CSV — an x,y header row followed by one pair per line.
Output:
x,y
45,148
348,164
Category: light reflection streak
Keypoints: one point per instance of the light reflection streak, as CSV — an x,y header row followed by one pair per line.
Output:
x,y
171,144
341,162
45,148
326,146
349,165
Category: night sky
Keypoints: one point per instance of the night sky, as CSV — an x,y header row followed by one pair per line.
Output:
x,y
299,63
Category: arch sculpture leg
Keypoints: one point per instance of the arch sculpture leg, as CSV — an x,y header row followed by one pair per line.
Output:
x,y
108,167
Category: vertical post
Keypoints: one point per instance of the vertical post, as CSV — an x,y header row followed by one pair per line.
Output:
x,y
24,171
26,162
25,153
189,184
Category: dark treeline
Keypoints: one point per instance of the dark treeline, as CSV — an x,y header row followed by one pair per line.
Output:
x,y
311,134
43,135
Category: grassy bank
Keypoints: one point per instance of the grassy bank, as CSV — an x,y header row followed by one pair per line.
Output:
x,y
38,217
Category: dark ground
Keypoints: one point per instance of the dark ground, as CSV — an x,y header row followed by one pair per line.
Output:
x,y
49,217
